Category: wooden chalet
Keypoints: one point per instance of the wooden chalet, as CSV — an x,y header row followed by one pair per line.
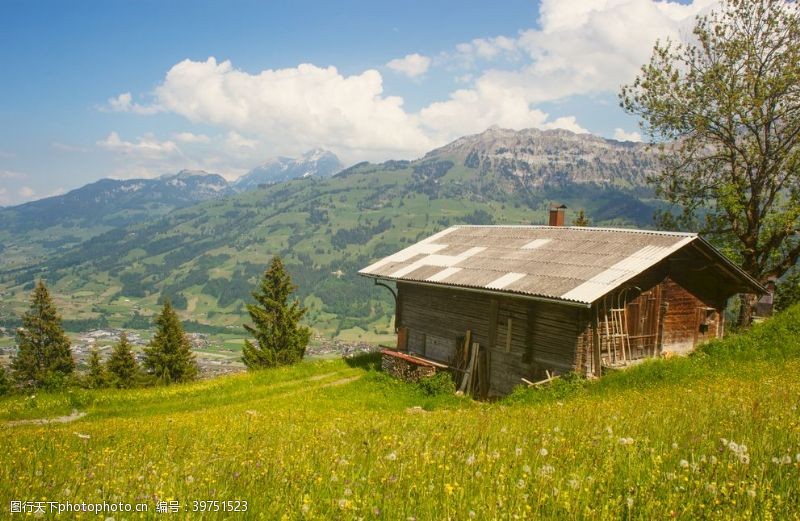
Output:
x,y
508,303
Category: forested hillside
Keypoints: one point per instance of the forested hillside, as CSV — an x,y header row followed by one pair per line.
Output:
x,y
206,257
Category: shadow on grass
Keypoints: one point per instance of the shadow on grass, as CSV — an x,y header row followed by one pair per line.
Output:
x,y
366,361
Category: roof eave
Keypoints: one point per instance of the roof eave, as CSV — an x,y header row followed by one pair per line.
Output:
x,y
485,291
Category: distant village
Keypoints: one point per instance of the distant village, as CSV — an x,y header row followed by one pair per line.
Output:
x,y
213,359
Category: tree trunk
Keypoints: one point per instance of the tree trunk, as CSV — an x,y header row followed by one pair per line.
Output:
x,y
747,302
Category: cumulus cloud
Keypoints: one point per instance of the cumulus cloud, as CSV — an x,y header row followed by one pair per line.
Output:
x,y
146,145
188,137
580,47
124,103
622,135
411,65
26,192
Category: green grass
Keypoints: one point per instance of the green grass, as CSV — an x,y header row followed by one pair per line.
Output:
x,y
712,436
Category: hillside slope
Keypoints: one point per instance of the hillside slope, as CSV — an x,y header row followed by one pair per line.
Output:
x,y
207,257
715,435
31,231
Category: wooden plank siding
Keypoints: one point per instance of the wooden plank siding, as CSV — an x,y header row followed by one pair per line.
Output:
x,y
543,336
551,336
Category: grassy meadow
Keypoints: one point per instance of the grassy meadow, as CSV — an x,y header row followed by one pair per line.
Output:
x,y
712,436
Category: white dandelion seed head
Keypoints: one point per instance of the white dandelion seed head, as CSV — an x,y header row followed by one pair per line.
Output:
x,y
543,452
683,463
521,483
471,459
518,452
629,502
526,469
391,456
573,484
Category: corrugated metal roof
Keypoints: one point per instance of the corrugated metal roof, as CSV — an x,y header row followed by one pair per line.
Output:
x,y
574,264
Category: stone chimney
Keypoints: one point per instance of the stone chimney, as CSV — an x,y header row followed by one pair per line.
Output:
x,y
557,214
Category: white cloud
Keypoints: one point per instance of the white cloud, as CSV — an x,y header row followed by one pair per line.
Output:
x,y
4,199
188,137
581,47
622,135
147,145
411,65
26,192
124,103
295,109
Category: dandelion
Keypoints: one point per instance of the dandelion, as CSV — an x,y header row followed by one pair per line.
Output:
x,y
786,460
305,508
797,457
573,484
751,492
391,456
251,412
556,429
526,469
342,503
629,502
348,492
82,436
448,489
546,470
683,463
521,483
472,514
518,452
609,430
674,445
471,460
543,452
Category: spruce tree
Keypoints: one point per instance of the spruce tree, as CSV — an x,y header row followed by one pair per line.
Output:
x,y
5,385
169,356
96,378
581,219
279,337
44,355
122,364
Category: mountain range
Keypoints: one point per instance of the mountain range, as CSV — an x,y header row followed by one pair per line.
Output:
x,y
207,255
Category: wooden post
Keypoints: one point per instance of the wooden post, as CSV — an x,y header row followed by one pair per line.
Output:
x,y
493,310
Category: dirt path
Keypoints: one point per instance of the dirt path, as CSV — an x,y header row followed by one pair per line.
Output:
x,y
44,421
340,382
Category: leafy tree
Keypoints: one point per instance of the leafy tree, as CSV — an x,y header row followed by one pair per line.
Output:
x,y
122,364
725,111
5,385
581,219
44,356
280,339
96,378
787,293
169,356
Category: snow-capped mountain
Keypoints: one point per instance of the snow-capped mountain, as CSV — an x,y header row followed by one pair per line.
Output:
x,y
317,163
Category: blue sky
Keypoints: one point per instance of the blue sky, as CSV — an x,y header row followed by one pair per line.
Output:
x,y
141,88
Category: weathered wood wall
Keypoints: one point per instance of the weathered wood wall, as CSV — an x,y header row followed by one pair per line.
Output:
x,y
542,336
688,319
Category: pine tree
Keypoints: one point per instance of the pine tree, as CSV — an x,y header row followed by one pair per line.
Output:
x,y
96,378
169,356
279,337
44,355
122,364
5,385
581,219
